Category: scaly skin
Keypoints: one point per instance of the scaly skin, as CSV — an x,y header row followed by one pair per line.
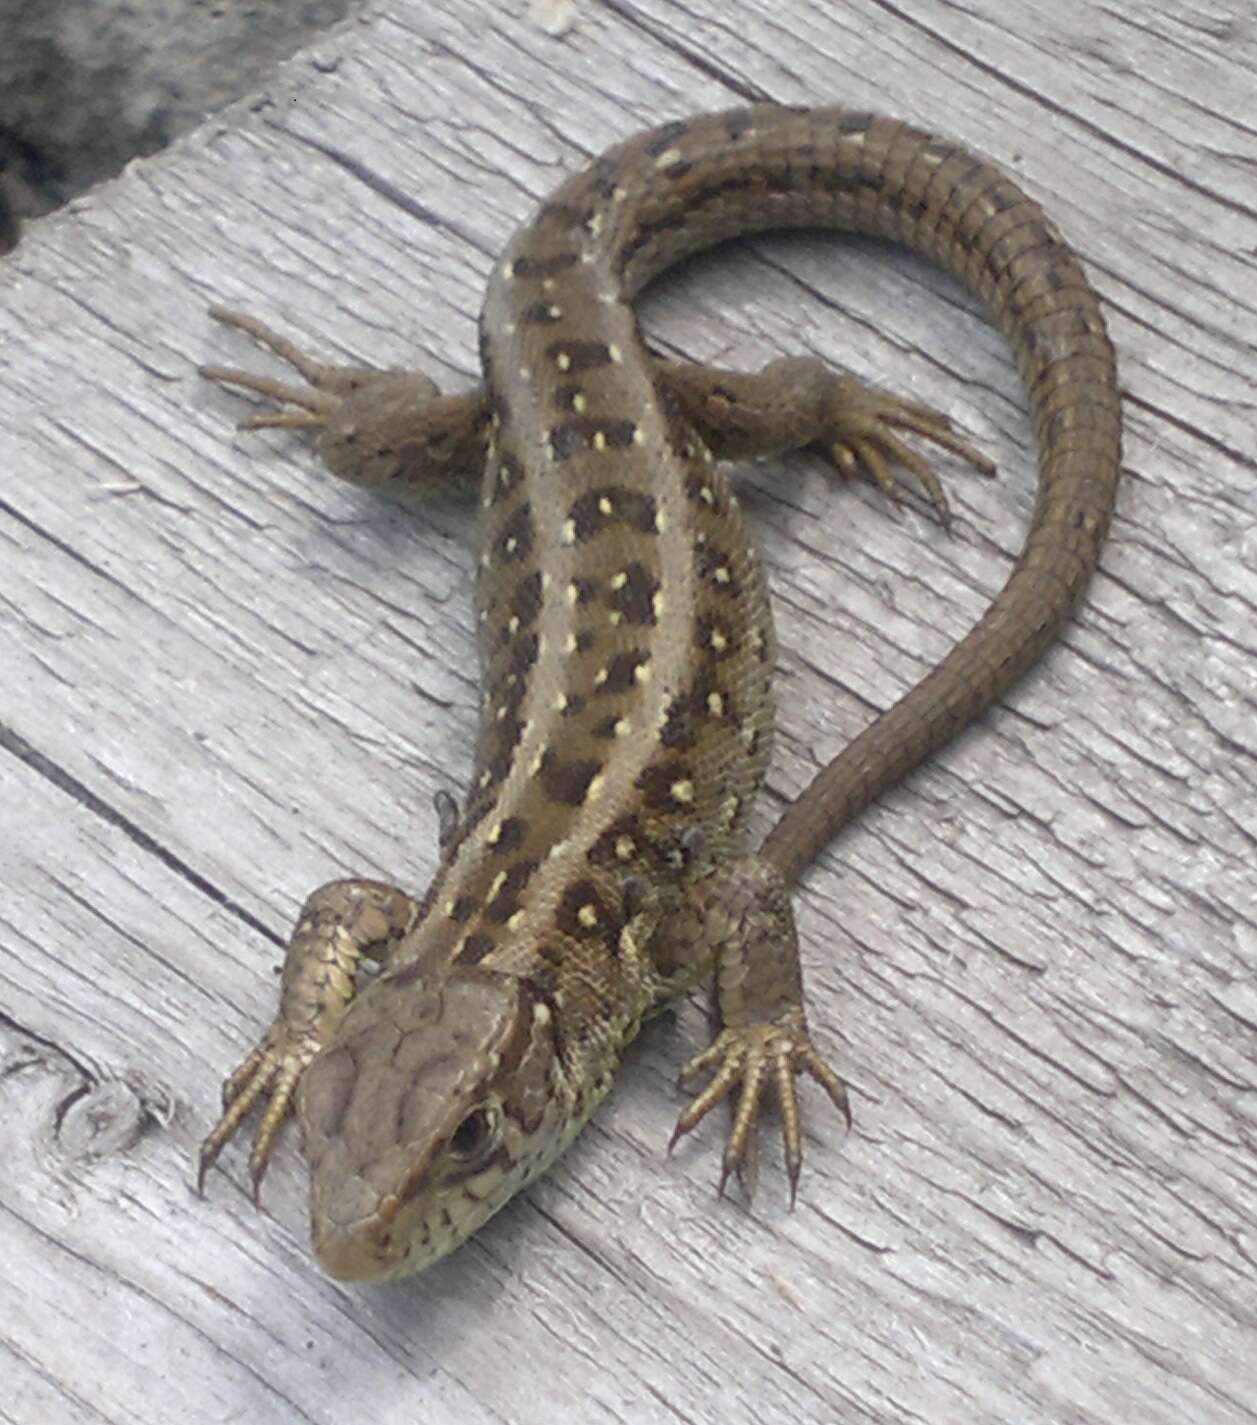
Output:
x,y
595,870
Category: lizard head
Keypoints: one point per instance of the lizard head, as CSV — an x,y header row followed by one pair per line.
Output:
x,y
425,1114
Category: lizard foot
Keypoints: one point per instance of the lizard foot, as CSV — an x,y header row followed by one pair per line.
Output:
x,y
273,1069
744,1060
861,435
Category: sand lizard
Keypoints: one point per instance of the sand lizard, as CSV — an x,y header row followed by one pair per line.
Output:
x,y
596,870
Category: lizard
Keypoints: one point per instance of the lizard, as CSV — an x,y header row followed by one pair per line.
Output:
x,y
596,869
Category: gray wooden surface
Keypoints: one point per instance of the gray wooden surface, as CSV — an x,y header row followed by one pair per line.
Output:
x,y
225,679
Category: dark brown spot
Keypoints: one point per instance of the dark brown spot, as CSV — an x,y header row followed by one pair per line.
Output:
x,y
621,671
714,637
475,948
783,181
582,913
631,593
506,902
462,908
543,266
523,654
580,355
623,835
714,567
678,170
602,174
541,312
526,600
678,729
588,433
511,833
567,782
660,783
599,509
514,542
664,137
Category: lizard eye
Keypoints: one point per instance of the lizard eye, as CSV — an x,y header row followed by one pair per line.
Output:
x,y
475,1135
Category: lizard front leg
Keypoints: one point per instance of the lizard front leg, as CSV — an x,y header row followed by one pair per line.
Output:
x,y
738,918
340,925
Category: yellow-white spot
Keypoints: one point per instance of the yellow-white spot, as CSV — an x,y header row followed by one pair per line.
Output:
x,y
485,777
569,643
661,521
625,848
600,440
560,702
515,920
573,594
597,784
682,791
580,403
718,641
618,581
722,574
448,907
604,505
615,618
525,374
707,495
512,623
639,436
729,808
658,603
642,673
569,531
546,581
496,884
748,733
623,727
588,916
563,361
628,945
541,1011
715,704
668,157
600,677
495,834
535,765
555,312
502,712
616,355
547,284
594,225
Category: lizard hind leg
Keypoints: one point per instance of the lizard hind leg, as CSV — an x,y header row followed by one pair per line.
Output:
x,y
797,402
739,918
373,427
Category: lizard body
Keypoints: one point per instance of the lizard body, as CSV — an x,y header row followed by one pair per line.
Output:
x,y
595,870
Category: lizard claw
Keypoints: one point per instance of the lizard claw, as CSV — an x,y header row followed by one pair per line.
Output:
x,y
745,1060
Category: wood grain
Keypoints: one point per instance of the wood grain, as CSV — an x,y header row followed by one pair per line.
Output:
x,y
226,679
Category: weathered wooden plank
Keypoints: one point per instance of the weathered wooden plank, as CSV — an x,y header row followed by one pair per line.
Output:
x,y
1035,961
